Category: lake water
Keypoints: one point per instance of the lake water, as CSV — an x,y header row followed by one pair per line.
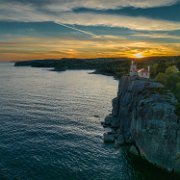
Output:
x,y
50,126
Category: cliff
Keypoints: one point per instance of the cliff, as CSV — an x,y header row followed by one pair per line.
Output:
x,y
143,117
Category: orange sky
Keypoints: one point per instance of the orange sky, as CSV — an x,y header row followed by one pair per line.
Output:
x,y
46,48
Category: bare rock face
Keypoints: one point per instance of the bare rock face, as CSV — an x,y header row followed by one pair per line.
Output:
x,y
143,116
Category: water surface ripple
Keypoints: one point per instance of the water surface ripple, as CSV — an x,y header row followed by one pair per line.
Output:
x,y
50,126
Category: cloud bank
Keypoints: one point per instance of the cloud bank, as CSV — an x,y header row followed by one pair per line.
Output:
x,y
28,13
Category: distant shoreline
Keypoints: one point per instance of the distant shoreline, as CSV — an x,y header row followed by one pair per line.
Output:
x,y
115,67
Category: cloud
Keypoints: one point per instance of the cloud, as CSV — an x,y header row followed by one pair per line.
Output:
x,y
27,13
20,12
156,36
135,23
36,11
107,4
66,5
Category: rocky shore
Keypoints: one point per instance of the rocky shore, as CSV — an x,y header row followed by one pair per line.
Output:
x,y
143,117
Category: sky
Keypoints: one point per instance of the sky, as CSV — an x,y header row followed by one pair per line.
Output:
x,y
45,29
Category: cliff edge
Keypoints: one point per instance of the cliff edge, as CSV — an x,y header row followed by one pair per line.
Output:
x,y
144,118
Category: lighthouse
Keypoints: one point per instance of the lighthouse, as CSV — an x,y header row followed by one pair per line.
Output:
x,y
133,69
143,73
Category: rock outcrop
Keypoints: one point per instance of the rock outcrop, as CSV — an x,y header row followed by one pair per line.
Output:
x,y
144,118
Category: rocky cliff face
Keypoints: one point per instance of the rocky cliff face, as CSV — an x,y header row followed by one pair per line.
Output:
x,y
143,117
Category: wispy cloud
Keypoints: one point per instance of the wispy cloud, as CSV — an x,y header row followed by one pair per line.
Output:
x,y
76,29
157,35
67,5
136,23
107,4
29,14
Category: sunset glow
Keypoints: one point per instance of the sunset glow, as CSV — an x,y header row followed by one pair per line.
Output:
x,y
138,55
86,29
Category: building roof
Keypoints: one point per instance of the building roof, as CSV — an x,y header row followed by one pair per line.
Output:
x,y
143,70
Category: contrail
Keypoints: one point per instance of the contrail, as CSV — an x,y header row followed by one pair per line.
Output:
x,y
85,32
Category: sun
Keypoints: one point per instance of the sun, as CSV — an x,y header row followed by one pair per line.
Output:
x,y
138,55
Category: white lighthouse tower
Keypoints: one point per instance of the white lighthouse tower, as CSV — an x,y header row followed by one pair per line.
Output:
x,y
133,69
143,73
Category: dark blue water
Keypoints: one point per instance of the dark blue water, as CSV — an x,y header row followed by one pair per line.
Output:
x,y
50,126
